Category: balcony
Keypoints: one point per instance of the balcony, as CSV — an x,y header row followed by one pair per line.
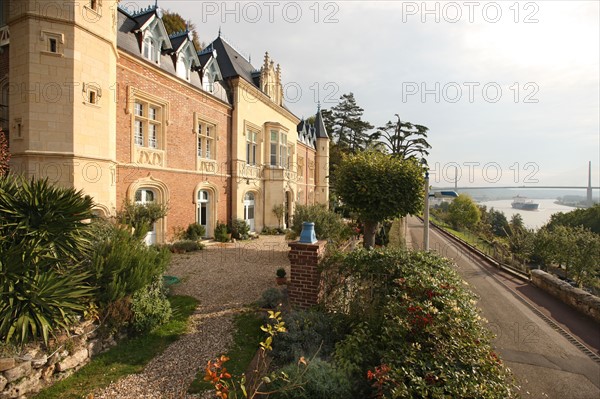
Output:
x,y
4,36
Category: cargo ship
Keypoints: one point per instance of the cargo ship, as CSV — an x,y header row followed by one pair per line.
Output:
x,y
524,204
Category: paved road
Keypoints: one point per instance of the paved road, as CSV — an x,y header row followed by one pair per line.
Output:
x,y
544,362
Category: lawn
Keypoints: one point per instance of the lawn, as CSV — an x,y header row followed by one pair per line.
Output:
x,y
128,357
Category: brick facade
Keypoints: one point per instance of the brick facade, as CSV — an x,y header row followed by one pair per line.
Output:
x,y
305,277
180,173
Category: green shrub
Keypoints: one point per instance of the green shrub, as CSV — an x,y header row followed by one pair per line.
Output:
x,y
186,246
150,307
239,229
122,264
194,232
328,225
272,231
221,232
416,329
309,333
37,299
316,380
271,298
44,235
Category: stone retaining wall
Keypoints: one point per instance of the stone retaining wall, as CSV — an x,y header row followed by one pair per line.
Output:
x,y
34,369
583,301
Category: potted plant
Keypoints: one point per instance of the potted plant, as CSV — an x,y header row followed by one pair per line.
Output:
x,y
280,276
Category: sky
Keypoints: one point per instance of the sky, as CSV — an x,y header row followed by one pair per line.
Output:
x,y
510,91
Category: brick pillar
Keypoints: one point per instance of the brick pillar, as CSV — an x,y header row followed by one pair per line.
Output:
x,y
303,290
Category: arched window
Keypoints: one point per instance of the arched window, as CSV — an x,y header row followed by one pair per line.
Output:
x,y
183,68
145,196
203,212
150,48
249,210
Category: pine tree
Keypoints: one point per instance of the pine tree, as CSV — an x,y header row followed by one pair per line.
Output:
x,y
349,131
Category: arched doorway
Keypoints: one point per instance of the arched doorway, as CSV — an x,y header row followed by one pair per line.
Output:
x,y
249,204
203,211
146,196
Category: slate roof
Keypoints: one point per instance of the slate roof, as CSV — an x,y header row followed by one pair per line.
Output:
x,y
320,130
177,39
231,62
129,41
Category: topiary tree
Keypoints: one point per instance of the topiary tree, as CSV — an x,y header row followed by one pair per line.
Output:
x,y
279,211
377,186
141,217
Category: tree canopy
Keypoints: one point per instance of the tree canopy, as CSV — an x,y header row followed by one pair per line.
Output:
x,y
404,139
377,187
463,213
588,218
349,130
176,23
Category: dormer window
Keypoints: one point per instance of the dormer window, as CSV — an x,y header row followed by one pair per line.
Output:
x,y
183,67
150,48
208,83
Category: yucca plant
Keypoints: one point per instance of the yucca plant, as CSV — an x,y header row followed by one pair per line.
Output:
x,y
37,299
44,238
54,217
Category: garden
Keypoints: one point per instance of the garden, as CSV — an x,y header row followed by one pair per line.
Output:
x,y
72,284
392,324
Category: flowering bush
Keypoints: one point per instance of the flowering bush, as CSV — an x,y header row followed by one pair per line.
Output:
x,y
417,333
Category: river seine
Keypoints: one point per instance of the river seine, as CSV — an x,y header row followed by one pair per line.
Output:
x,y
531,219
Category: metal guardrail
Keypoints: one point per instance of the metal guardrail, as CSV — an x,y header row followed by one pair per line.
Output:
x,y
483,256
571,338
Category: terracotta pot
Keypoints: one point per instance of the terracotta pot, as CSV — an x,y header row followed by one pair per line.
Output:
x,y
281,280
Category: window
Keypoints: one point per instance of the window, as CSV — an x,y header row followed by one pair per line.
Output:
x,y
147,124
206,140
94,5
251,147
182,68
150,48
52,45
91,93
300,166
273,148
54,42
203,210
279,149
283,151
145,196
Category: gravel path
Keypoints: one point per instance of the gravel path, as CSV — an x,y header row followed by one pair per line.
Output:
x,y
224,278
